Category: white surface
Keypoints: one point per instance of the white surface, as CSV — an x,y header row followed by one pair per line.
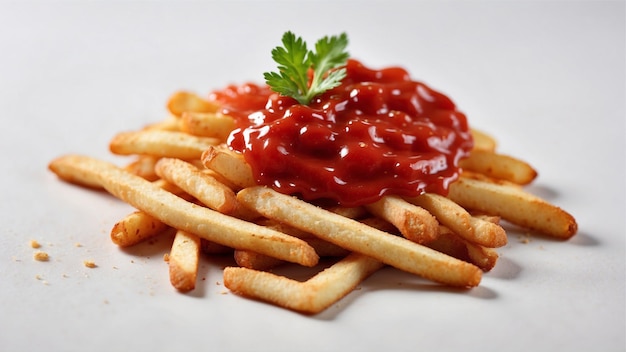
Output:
x,y
546,78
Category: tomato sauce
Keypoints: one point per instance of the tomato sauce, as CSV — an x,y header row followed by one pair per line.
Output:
x,y
378,133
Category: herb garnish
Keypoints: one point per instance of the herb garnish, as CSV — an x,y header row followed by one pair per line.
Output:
x,y
295,62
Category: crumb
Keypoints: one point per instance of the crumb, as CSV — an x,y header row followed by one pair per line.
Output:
x,y
38,277
41,256
115,268
34,244
45,282
166,257
224,292
90,264
106,301
218,283
65,276
524,239
77,244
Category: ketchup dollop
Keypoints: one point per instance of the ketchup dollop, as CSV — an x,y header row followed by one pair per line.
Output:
x,y
378,133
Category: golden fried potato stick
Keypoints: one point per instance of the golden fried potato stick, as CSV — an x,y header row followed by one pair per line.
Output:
x,y
136,227
453,245
499,166
203,187
189,217
460,221
229,164
253,260
207,124
181,102
514,205
358,237
172,123
311,296
143,166
158,143
413,222
183,261
483,141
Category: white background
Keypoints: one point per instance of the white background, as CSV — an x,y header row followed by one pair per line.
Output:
x,y
545,78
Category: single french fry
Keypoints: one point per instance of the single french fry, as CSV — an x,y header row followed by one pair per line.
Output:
x,y
460,221
181,101
171,123
189,217
311,296
483,141
514,205
483,257
229,164
203,187
207,124
157,143
499,166
253,260
183,261
413,222
136,227
355,236
143,166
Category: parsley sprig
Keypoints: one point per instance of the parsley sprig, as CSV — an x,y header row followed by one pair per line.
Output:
x,y
295,61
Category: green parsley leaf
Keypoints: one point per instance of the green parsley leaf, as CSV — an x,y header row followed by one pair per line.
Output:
x,y
295,62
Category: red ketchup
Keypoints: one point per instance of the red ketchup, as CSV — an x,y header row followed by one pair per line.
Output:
x,y
378,133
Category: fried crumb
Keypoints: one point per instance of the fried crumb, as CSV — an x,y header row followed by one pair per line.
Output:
x,y
34,244
77,244
224,292
38,277
90,264
166,257
524,239
41,256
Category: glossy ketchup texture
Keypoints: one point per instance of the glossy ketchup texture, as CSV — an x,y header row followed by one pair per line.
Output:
x,y
378,133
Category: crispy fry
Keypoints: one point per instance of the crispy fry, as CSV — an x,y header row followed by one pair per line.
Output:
x,y
181,102
157,143
136,227
461,222
171,123
207,124
413,222
499,166
229,164
354,236
205,188
450,243
183,261
311,296
189,217
253,260
143,166
514,205
483,141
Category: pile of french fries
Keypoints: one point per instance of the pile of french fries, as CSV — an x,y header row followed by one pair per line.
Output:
x,y
185,179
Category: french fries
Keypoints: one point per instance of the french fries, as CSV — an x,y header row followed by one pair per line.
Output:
x,y
184,180
183,261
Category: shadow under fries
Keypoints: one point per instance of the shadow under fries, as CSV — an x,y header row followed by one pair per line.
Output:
x,y
391,279
207,263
